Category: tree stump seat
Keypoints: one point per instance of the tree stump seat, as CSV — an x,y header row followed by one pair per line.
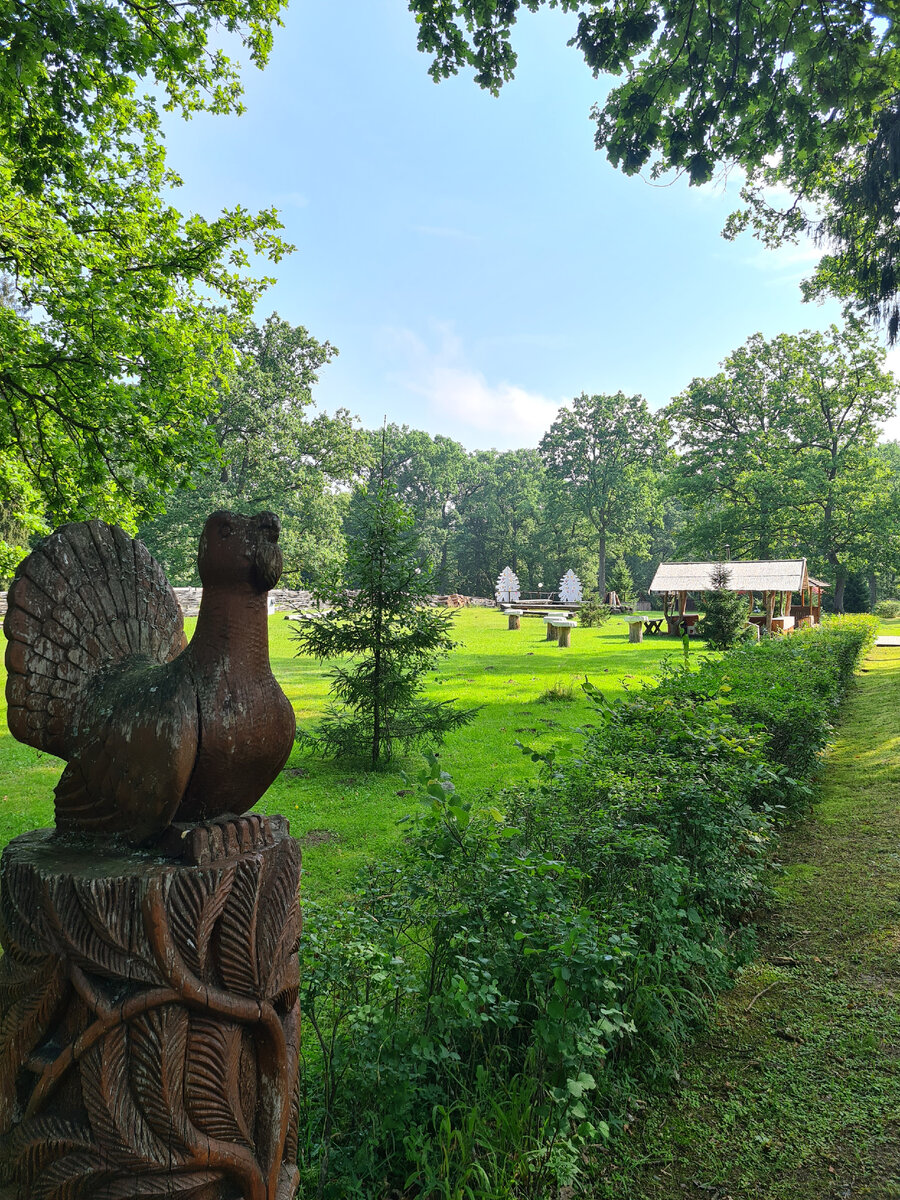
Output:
x,y
563,630
553,622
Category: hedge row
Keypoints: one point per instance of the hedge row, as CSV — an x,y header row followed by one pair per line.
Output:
x,y
477,1022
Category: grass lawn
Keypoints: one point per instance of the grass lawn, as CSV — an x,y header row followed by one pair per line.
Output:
x,y
345,815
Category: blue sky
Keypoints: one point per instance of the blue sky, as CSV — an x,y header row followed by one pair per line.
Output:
x,y
474,259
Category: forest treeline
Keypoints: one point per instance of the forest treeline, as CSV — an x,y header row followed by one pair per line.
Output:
x,y
777,455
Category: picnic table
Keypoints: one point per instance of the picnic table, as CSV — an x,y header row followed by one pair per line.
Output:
x,y
653,624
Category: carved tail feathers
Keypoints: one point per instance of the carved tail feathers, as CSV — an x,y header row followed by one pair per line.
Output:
x,y
87,598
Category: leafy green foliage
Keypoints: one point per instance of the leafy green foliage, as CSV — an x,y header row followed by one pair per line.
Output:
x,y
271,453
779,452
119,325
66,66
537,961
726,612
601,454
887,608
381,619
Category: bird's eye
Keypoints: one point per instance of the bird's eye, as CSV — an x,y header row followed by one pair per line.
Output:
x,y
225,531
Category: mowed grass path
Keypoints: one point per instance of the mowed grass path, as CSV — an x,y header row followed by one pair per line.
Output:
x,y
794,1094
346,815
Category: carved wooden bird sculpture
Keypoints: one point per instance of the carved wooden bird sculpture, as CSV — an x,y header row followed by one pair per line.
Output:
x,y
153,730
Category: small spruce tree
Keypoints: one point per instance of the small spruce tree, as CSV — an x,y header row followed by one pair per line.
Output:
x,y
620,580
856,593
726,612
379,616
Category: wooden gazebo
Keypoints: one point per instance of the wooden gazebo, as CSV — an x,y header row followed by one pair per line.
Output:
x,y
777,580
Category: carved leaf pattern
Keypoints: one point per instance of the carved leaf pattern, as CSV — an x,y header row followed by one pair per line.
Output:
x,y
24,923
38,990
116,1120
292,1037
72,1177
161,1088
96,947
160,1187
113,910
195,903
279,915
158,1050
39,1142
213,1080
237,934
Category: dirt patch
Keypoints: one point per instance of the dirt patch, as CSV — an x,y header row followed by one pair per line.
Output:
x,y
318,837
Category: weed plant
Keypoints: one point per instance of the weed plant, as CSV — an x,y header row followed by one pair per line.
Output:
x,y
479,1015
558,693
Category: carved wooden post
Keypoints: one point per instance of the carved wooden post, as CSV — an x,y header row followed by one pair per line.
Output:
x,y
149,1021
149,1016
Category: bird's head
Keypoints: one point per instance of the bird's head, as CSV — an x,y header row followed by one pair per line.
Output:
x,y
239,549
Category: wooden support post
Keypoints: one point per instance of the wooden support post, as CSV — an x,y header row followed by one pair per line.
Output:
x,y
770,610
682,602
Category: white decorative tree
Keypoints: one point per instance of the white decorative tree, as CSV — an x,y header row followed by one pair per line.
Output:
x,y
570,589
507,587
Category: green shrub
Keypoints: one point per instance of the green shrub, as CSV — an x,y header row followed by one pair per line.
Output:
x,y
478,1017
887,608
593,612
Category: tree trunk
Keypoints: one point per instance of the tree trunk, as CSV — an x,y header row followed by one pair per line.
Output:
x,y
601,569
873,589
839,580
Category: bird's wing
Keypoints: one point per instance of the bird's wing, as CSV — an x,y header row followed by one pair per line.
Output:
x,y
136,749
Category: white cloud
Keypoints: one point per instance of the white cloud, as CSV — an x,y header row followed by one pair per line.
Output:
x,y
461,399
520,416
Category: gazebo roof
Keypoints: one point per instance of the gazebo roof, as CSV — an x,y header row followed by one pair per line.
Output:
x,y
775,575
